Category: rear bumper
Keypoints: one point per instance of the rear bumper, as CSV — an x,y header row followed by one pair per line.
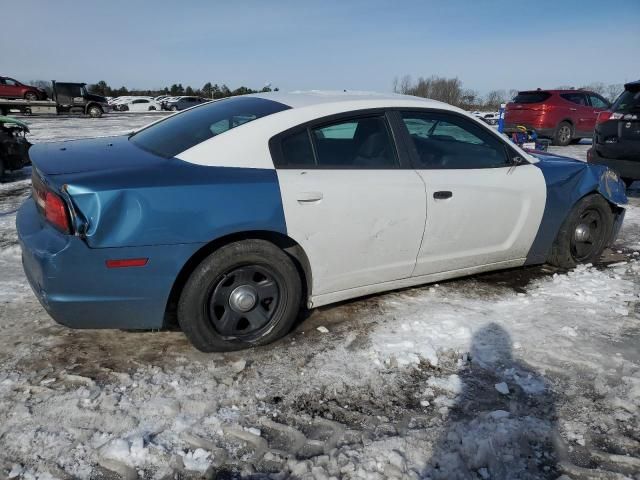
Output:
x,y
624,168
75,287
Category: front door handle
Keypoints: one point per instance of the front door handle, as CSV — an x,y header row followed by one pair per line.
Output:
x,y
442,195
309,197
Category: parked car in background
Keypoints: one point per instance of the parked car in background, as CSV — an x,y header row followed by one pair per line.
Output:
x,y
139,105
180,103
565,116
235,224
616,140
11,88
490,118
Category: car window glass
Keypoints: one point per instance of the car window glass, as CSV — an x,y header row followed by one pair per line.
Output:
x,y
598,102
628,101
453,142
297,151
577,98
184,130
10,82
232,122
362,143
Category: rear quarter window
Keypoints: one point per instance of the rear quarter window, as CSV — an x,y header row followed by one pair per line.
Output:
x,y
531,97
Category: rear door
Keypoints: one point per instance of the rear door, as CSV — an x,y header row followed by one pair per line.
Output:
x,y
351,200
10,88
481,209
580,112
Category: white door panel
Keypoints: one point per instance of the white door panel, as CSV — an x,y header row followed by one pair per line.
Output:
x,y
492,216
357,227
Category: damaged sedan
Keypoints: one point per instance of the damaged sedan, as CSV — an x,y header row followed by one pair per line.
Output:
x,y
233,215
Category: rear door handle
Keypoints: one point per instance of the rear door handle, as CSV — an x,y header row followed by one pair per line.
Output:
x,y
573,109
309,197
442,195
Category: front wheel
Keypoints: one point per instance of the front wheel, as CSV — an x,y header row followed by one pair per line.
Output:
x,y
94,111
245,294
584,234
174,108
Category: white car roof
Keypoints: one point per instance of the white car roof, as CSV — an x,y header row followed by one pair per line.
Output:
x,y
247,146
299,99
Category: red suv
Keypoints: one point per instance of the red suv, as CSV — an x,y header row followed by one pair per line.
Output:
x,y
565,116
11,88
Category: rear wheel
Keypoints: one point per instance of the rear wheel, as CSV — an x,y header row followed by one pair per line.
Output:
x,y
30,96
563,135
245,294
584,234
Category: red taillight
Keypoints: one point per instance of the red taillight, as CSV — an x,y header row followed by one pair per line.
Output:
x,y
127,262
605,115
55,211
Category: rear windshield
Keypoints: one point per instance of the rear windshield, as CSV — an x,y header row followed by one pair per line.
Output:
x,y
628,101
531,97
182,131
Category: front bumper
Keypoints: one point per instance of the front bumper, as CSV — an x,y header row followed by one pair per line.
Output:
x,y
624,168
75,287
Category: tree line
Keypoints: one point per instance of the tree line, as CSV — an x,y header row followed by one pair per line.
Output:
x,y
208,90
450,90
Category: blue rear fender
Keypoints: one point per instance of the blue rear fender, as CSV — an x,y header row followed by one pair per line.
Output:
x,y
167,211
569,180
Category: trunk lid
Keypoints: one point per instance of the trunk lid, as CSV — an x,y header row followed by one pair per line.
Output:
x,y
90,155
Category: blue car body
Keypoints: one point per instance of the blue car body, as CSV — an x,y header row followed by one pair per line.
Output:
x,y
127,202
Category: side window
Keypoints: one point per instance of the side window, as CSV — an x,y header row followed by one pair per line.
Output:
x,y
10,82
297,151
360,143
598,102
447,141
577,98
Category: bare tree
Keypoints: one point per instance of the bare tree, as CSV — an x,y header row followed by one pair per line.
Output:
x,y
494,98
612,91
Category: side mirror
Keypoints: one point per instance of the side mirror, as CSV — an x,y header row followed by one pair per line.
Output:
x,y
518,160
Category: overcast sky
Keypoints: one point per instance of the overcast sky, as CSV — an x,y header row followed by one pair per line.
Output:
x,y
326,44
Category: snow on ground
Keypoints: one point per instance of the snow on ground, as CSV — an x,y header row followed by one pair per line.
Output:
x,y
529,373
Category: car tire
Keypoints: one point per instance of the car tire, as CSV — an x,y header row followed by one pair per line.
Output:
x,y
1,169
563,135
152,109
173,108
245,294
94,111
584,233
30,96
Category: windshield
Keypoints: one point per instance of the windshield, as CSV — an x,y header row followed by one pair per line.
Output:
x,y
628,101
182,131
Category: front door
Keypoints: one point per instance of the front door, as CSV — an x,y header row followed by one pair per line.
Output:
x,y
351,204
481,209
